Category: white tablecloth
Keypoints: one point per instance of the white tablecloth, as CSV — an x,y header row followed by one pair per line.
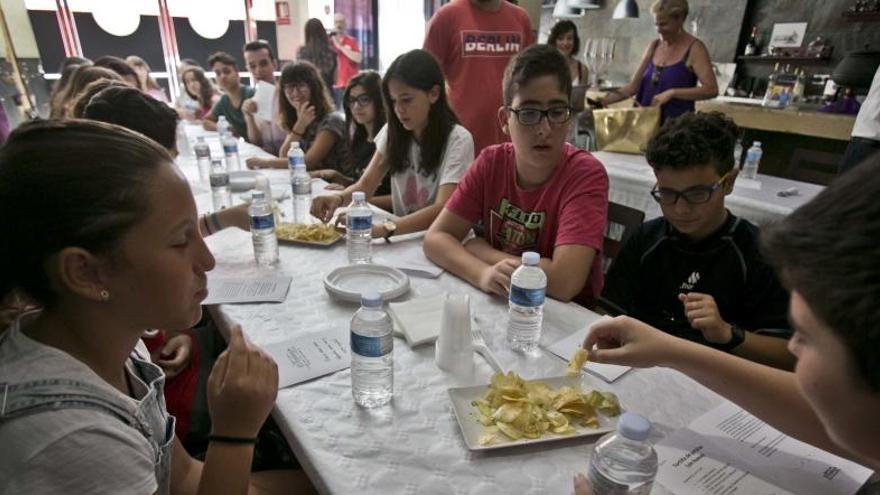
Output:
x,y
631,179
413,445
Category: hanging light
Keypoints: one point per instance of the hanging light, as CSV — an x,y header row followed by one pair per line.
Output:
x,y
563,11
626,9
583,4
116,18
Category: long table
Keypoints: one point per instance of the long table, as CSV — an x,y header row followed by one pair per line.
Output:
x,y
631,179
413,445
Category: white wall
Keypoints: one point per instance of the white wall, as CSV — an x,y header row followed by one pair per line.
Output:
x,y
401,29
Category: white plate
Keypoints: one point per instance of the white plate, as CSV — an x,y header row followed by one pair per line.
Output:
x,y
472,430
242,180
279,193
349,282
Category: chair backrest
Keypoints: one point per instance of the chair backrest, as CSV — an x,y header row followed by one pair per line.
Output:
x,y
622,221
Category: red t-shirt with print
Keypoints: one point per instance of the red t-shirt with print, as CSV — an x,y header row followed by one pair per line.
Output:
x,y
570,208
345,67
473,47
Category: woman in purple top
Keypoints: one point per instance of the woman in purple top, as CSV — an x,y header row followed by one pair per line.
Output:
x,y
671,67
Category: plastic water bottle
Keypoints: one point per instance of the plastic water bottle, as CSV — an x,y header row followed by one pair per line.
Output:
x,y
222,126
203,158
623,463
372,358
526,304
230,150
295,156
301,183
359,229
753,159
737,154
219,179
263,229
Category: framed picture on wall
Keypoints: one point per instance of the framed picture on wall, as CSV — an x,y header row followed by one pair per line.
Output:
x,y
788,34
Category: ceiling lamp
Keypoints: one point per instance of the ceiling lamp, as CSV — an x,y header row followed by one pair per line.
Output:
x,y
563,11
583,4
116,18
626,9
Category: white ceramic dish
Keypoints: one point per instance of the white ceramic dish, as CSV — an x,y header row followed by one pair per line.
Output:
x,y
242,180
349,282
471,429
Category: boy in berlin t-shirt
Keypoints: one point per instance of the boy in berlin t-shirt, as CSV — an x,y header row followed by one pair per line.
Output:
x,y
537,193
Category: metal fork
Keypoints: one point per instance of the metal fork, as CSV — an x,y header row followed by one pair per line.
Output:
x,y
482,349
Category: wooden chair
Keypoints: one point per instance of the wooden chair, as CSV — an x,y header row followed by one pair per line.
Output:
x,y
622,222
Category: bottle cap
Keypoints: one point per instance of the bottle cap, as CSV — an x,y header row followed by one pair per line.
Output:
x,y
530,258
258,195
217,162
634,426
757,143
358,196
293,145
371,299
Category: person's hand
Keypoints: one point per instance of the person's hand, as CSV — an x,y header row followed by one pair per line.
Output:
x,y
175,355
662,98
305,115
237,216
256,162
582,485
249,106
324,206
702,313
495,279
627,341
241,388
327,174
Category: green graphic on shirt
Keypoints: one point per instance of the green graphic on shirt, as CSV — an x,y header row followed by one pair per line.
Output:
x,y
514,230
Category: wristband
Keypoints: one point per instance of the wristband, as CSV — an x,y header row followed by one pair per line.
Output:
x,y
216,222
233,440
204,220
737,337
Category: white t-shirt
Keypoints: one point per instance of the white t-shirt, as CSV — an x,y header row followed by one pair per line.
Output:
x,y
72,450
868,120
411,190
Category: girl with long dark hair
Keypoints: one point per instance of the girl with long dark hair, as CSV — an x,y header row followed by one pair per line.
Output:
x,y
422,147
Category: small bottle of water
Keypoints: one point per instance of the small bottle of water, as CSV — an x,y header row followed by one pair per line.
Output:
x,y
359,229
526,304
295,156
230,149
737,154
263,229
753,159
219,179
183,145
372,358
622,462
222,126
203,158
301,183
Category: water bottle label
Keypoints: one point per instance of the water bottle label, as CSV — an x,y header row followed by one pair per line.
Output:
x,y
262,222
526,297
360,222
230,148
293,161
219,180
371,346
302,187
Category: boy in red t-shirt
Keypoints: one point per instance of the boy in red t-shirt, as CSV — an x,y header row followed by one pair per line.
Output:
x,y
537,193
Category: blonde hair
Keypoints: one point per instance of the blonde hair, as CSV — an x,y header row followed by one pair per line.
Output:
x,y
670,8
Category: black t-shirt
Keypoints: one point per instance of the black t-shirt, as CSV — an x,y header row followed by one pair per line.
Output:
x,y
657,263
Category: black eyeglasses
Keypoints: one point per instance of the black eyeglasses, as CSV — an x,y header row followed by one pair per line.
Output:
x,y
361,99
532,116
693,195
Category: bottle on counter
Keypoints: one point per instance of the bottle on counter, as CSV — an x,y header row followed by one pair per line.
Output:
x,y
753,159
752,44
770,96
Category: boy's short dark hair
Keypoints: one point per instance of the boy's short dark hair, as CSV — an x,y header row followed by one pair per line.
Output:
x,y
828,251
135,110
115,64
534,62
222,57
694,139
259,45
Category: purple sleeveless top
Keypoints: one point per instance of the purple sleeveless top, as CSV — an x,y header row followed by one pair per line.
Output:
x,y
676,75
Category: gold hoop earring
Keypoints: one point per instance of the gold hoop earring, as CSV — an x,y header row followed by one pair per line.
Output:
x,y
105,295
